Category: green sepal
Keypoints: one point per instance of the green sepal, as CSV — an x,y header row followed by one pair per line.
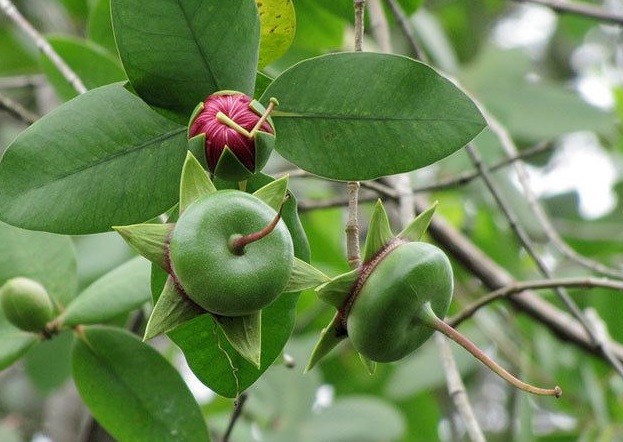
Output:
x,y
244,333
331,336
337,291
274,192
417,227
194,183
197,145
149,240
379,232
264,145
195,113
369,364
304,276
172,309
230,168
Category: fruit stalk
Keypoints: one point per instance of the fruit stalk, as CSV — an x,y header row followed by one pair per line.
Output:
x,y
237,243
428,317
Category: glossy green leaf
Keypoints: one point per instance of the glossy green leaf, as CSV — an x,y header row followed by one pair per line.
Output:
x,y
217,364
355,127
48,364
14,343
277,28
44,257
379,233
102,159
177,52
119,291
92,64
132,391
99,25
150,240
244,334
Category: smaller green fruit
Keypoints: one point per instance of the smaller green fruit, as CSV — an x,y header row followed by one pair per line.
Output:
x,y
384,323
26,304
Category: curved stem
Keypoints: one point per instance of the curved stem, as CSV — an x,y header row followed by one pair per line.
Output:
x,y
428,317
237,243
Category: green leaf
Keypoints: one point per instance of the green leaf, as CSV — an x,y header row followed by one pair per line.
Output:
x,y
330,337
132,391
14,343
44,257
354,127
177,52
119,291
304,276
194,183
102,159
99,25
337,291
171,310
215,362
92,64
150,240
48,364
379,233
244,333
417,227
273,193
277,28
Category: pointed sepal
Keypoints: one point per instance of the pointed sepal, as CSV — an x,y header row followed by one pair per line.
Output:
x,y
195,113
274,192
244,333
172,309
330,337
379,233
149,240
337,291
304,276
264,145
230,168
194,183
417,227
369,364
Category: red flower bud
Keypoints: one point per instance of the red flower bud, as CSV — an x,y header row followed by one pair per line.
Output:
x,y
229,120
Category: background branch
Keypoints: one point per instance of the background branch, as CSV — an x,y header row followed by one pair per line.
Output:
x,y
580,9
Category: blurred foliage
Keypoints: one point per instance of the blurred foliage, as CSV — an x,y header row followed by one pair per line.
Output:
x,y
533,93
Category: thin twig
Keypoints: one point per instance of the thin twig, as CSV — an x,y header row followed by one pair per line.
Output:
x,y
403,21
352,225
517,287
580,9
235,414
529,247
456,390
17,110
379,25
11,11
548,229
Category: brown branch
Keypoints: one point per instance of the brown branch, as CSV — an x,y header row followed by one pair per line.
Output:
x,y
580,9
517,287
17,111
235,415
403,22
11,11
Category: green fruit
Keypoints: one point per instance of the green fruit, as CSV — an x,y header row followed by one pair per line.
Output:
x,y
220,279
384,322
26,304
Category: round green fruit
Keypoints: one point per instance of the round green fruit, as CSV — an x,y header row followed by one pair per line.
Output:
x,y
26,304
385,321
218,277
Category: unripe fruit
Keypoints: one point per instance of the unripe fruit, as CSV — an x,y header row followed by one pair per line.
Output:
x,y
26,304
382,323
219,276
